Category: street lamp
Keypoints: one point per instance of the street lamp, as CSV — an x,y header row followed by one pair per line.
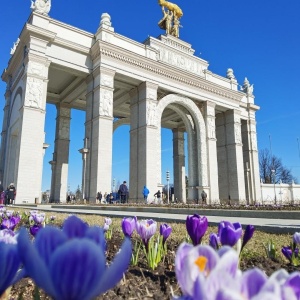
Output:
x,y
114,183
168,179
273,175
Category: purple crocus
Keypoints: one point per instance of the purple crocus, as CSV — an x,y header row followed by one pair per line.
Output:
x,y
229,233
146,229
10,223
128,226
8,236
248,234
108,221
205,274
34,229
214,241
165,230
296,238
287,252
10,260
80,276
196,227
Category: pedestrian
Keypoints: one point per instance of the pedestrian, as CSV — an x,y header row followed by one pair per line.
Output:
x,y
124,192
2,197
145,193
11,194
69,199
158,196
203,196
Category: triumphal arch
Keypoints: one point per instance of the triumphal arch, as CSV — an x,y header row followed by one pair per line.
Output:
x,y
156,84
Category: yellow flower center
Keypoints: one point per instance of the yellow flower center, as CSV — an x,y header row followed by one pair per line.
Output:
x,y
201,262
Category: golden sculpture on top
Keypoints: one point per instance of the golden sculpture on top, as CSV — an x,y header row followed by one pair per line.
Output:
x,y
171,15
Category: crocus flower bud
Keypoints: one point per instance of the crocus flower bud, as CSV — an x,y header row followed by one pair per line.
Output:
x,y
247,235
165,230
196,227
287,252
128,226
34,229
146,229
296,238
229,233
213,241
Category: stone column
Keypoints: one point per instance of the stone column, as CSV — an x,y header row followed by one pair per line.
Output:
x,y
28,176
4,131
179,165
84,151
144,141
251,159
98,131
213,192
61,154
235,164
223,179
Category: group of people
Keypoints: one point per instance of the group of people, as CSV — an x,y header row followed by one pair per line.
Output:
x,y
7,197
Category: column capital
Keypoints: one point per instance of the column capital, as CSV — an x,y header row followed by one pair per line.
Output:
x,y
147,91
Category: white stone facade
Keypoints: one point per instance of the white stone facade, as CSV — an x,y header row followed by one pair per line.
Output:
x,y
152,85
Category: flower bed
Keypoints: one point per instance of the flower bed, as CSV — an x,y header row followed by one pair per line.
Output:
x,y
141,282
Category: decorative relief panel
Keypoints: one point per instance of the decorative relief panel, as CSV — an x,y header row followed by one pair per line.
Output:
x,y
211,128
210,111
36,69
237,132
34,92
106,80
151,114
106,100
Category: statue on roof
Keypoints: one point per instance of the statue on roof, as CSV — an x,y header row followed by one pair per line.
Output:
x,y
247,88
171,15
41,6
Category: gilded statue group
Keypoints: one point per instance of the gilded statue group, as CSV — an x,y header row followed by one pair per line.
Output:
x,y
171,15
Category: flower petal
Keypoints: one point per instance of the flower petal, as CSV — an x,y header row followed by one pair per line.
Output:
x,y
48,239
76,276
34,265
114,273
252,282
9,265
74,227
96,234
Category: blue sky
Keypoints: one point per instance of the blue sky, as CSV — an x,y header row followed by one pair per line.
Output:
x,y
259,39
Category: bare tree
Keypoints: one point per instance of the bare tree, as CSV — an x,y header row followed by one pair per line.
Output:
x,y
272,170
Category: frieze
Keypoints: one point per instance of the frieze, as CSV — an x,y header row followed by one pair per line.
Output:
x,y
159,71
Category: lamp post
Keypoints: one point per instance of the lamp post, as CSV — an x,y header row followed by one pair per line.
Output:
x,y
114,183
168,179
273,175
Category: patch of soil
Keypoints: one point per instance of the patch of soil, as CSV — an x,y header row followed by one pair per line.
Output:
x,y
140,282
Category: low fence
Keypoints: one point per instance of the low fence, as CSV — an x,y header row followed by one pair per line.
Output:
x,y
280,193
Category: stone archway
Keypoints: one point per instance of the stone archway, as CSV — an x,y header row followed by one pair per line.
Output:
x,y
201,173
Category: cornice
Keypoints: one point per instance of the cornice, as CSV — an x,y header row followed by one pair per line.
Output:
x,y
164,70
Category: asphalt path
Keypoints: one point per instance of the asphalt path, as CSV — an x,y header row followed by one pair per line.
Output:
x,y
280,226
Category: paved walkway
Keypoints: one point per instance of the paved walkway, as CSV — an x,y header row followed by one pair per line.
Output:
x,y
282,226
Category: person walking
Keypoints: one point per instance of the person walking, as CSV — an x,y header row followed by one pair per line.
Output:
x,y
124,192
145,193
204,197
158,196
11,194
